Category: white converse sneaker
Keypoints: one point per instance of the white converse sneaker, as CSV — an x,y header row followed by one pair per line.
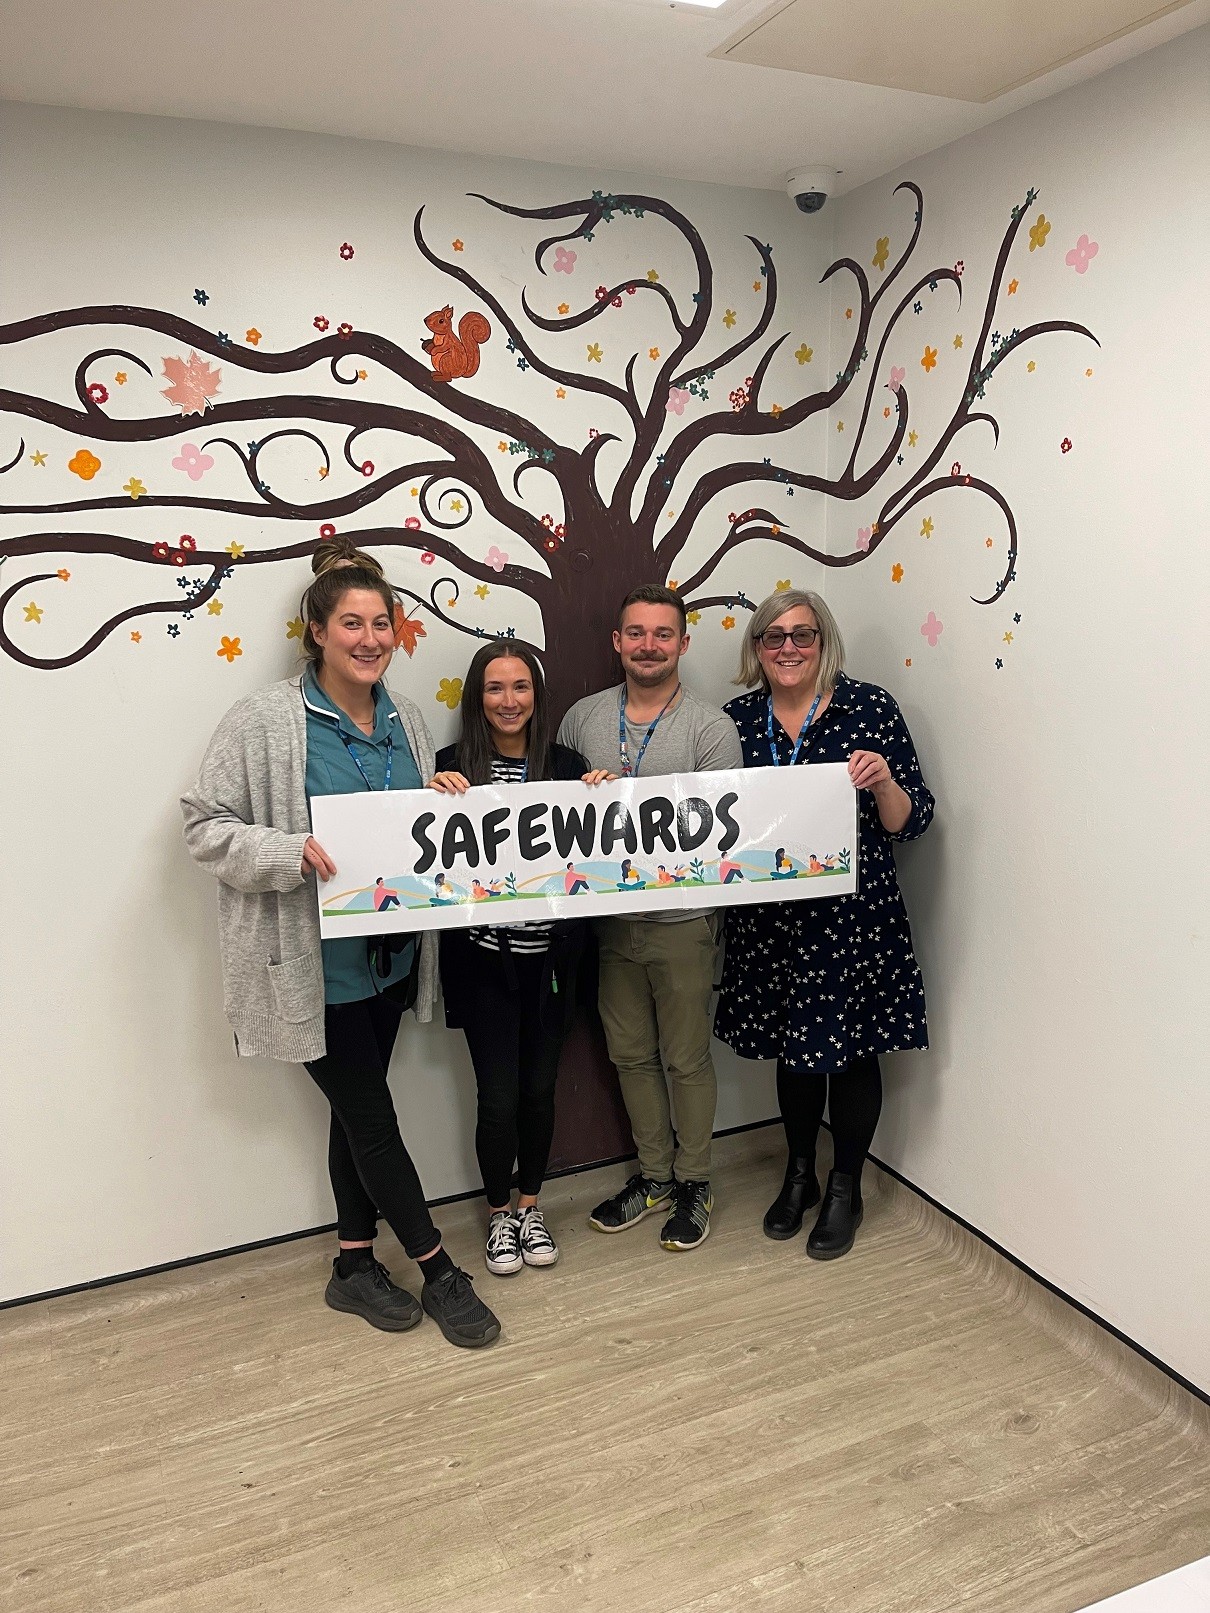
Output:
x,y
538,1248
503,1244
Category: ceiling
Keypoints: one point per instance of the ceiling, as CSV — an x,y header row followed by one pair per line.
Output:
x,y
627,85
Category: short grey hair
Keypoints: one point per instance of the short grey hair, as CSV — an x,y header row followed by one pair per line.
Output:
x,y
831,645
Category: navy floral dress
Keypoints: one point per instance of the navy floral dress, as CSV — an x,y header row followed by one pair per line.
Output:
x,y
821,983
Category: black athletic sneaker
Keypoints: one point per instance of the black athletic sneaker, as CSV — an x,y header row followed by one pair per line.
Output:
x,y
640,1197
458,1311
689,1223
370,1293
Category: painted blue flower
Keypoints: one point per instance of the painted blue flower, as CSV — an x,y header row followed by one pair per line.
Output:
x,y
200,297
999,664
173,630
223,339
917,307
1017,616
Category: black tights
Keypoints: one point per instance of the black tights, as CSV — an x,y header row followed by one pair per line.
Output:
x,y
516,1063
370,1168
854,1098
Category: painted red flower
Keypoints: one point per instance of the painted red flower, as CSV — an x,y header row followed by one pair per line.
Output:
x,y
412,523
97,393
548,519
344,331
320,322
958,268
427,558
601,293
178,557
617,302
367,468
160,551
630,291
1065,445
955,469
346,251
327,530
187,543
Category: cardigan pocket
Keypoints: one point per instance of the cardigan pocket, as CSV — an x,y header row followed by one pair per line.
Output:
x,y
296,987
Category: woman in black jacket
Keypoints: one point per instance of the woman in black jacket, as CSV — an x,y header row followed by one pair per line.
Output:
x,y
511,986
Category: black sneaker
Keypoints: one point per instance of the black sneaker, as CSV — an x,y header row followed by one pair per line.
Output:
x,y
689,1223
371,1294
640,1197
458,1311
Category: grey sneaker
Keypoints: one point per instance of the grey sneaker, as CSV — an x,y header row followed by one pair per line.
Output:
x,y
458,1311
689,1224
538,1248
640,1197
503,1247
371,1294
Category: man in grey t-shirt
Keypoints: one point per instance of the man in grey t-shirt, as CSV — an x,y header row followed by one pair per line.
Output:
x,y
657,972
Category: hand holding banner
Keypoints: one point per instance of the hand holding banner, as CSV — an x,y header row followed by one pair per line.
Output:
x,y
506,854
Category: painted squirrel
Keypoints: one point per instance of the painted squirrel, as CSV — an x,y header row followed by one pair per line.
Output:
x,y
454,357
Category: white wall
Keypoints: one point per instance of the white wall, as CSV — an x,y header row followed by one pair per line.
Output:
x,y
132,1135
1060,901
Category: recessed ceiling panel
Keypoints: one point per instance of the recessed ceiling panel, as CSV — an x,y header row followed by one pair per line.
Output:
x,y
955,48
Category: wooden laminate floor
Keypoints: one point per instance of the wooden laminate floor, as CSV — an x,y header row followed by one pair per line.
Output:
x,y
915,1427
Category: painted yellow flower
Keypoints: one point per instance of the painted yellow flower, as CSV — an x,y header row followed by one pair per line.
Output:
x,y
84,464
1008,638
776,410
215,607
913,438
840,425
804,354
652,276
449,692
958,341
482,591
729,318
693,617
881,252
134,488
235,550
1031,367
33,613
38,457
926,528
294,627
1039,232
594,352
782,584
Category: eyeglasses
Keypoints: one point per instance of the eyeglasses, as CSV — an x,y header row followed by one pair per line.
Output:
x,y
802,637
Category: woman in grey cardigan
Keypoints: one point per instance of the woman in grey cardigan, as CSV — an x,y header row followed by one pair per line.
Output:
x,y
333,1005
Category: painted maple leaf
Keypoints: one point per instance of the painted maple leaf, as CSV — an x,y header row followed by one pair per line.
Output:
x,y
407,630
194,383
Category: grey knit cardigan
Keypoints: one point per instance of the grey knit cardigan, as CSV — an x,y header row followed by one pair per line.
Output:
x,y
246,820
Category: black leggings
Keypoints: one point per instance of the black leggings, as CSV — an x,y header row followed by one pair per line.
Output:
x,y
516,1063
854,1098
371,1170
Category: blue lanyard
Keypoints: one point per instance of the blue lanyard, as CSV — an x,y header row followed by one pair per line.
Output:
x,y
627,769
348,743
802,732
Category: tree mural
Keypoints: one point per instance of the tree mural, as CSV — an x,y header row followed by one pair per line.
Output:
x,y
607,533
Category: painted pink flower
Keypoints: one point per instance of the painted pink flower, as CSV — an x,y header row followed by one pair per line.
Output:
x,y
412,523
1082,254
897,377
346,251
565,261
678,397
427,558
956,468
739,399
864,534
958,268
932,629
495,558
193,461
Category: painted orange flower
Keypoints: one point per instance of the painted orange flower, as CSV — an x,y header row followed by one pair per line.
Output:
x,y
896,572
252,337
728,623
229,648
84,464
929,361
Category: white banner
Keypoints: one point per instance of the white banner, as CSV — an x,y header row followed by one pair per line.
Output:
x,y
507,854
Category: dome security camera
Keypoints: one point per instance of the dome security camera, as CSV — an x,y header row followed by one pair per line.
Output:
x,y
809,188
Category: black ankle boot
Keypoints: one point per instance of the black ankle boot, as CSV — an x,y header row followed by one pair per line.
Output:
x,y
799,1192
834,1231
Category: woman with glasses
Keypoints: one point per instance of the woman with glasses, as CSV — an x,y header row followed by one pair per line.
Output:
x,y
825,986
332,1006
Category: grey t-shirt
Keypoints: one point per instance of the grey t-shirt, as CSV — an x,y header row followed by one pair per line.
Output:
x,y
691,738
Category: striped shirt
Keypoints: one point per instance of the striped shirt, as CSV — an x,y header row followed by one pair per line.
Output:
x,y
521,937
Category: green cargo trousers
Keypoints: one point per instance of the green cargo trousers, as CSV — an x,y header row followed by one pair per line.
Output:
x,y
654,998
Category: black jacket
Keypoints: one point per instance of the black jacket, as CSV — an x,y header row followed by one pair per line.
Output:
x,y
564,956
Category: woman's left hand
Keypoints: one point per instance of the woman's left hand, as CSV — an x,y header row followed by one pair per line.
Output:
x,y
599,775
450,783
868,770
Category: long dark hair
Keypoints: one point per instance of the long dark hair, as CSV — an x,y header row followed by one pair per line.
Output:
x,y
475,748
